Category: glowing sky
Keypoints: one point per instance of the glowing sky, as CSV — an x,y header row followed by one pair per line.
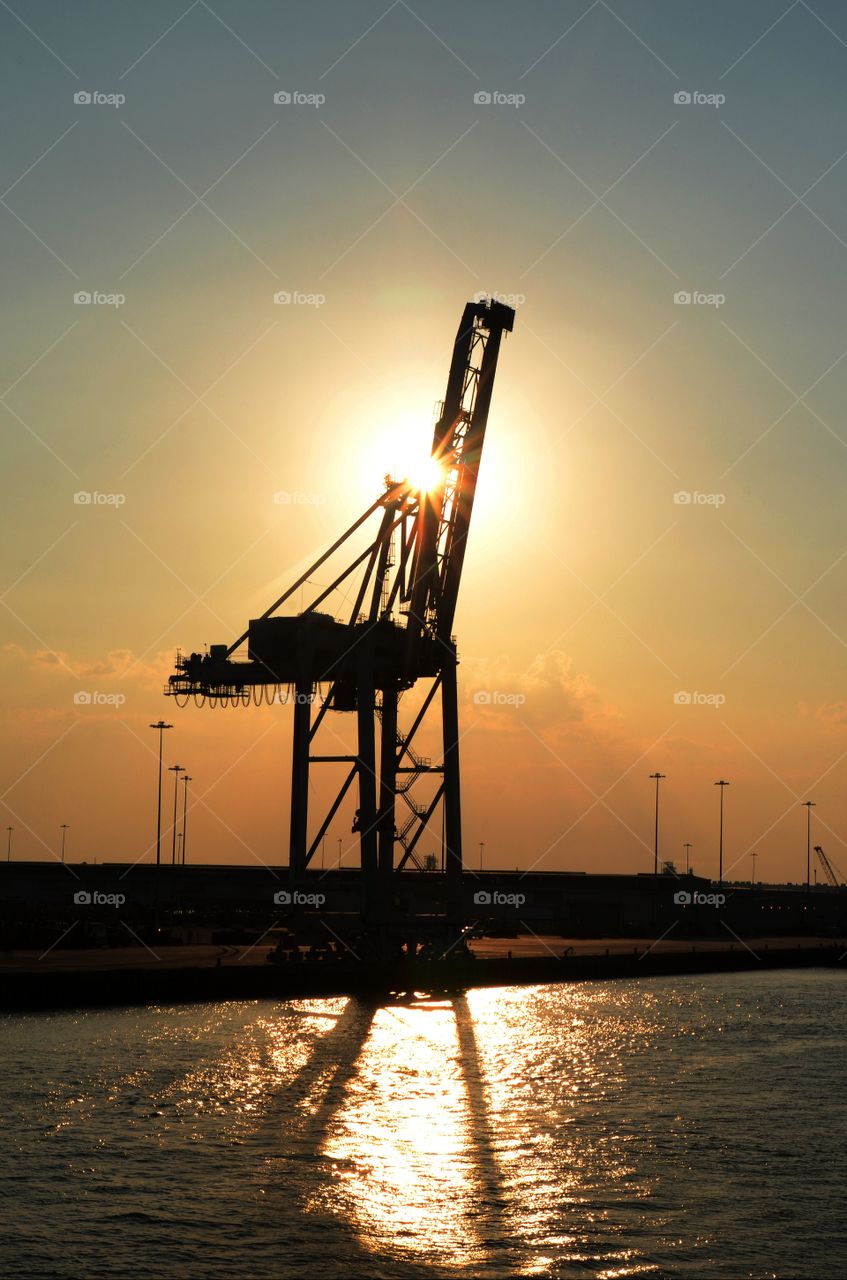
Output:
x,y
588,590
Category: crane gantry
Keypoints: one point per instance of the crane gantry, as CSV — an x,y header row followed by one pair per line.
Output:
x,y
399,631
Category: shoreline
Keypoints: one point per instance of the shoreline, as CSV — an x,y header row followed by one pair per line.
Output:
x,y
42,991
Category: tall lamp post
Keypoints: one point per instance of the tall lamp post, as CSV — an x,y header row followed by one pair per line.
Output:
x,y
754,856
161,726
687,847
9,845
722,783
176,770
658,776
808,805
186,781
481,847
63,827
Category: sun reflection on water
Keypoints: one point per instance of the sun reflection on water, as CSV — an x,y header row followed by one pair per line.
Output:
x,y
474,1133
399,1149
467,1131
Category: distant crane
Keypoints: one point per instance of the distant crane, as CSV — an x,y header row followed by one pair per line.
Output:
x,y
828,869
398,631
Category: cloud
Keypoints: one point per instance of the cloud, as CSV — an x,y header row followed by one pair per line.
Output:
x,y
548,695
118,665
833,715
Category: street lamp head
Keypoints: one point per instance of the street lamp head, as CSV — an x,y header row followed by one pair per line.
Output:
x,y
161,725
722,783
658,775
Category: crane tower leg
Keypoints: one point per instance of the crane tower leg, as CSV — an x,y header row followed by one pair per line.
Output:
x,y
387,783
300,777
366,761
452,801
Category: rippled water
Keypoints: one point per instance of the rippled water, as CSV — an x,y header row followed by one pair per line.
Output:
x,y
690,1127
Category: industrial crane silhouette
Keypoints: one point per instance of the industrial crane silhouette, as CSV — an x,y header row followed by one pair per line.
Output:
x,y
828,867
399,631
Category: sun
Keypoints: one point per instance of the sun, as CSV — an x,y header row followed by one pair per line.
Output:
x,y
395,440
425,475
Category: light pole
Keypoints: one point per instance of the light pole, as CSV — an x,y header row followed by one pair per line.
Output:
x,y
754,856
339,851
161,726
808,805
722,783
186,781
9,845
176,770
481,847
658,776
63,827
686,847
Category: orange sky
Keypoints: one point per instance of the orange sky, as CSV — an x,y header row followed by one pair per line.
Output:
x,y
589,592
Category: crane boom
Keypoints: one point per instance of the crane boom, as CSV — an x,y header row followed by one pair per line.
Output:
x,y
445,513
828,868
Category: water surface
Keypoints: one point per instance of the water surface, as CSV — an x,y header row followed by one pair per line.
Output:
x,y
689,1127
